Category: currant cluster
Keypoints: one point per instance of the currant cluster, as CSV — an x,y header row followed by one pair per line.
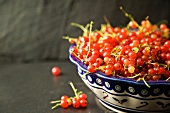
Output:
x,y
79,100
138,51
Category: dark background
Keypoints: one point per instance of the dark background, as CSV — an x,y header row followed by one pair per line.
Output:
x,y
32,30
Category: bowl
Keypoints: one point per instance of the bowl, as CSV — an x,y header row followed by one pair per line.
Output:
x,y
125,94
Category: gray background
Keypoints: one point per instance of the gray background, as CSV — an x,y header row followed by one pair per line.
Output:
x,y
32,30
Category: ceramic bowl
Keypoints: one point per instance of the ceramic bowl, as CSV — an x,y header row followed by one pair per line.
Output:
x,y
123,94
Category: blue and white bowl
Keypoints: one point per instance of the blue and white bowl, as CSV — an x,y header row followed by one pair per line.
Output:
x,y
126,95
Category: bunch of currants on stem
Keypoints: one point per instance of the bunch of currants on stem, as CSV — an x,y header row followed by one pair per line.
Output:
x,y
79,100
136,51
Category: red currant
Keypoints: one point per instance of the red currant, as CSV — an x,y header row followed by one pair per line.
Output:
x,y
76,103
82,96
64,97
56,71
91,68
83,103
117,66
64,104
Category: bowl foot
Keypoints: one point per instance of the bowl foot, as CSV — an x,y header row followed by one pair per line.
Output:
x,y
109,107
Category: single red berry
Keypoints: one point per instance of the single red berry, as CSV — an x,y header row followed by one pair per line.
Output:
x,y
155,77
108,72
64,97
76,103
110,67
140,62
118,66
132,55
163,26
161,70
151,71
99,60
64,104
83,103
167,74
82,96
133,24
126,62
56,71
153,36
167,44
142,74
148,77
168,56
91,68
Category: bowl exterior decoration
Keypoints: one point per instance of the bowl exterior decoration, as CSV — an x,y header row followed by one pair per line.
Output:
x,y
123,94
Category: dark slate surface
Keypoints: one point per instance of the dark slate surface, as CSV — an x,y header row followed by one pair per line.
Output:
x,y
32,30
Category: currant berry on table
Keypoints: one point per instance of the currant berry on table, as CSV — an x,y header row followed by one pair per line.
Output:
x,y
56,71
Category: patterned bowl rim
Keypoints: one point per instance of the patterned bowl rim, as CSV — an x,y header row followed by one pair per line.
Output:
x,y
113,78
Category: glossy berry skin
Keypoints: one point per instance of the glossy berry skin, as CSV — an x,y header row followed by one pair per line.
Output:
x,y
76,103
69,101
82,96
64,104
117,66
64,97
167,74
56,71
91,68
83,103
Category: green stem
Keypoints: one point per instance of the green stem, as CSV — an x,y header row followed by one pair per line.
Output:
x,y
91,23
146,82
80,92
55,106
106,20
74,89
79,26
168,79
134,76
83,76
56,101
126,14
66,37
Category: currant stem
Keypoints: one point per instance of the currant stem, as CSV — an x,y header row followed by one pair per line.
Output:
x,y
77,56
74,89
80,92
85,74
55,106
91,23
56,101
66,37
134,76
80,26
106,20
126,14
146,82
168,79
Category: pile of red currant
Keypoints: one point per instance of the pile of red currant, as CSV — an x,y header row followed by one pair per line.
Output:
x,y
137,51
79,100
